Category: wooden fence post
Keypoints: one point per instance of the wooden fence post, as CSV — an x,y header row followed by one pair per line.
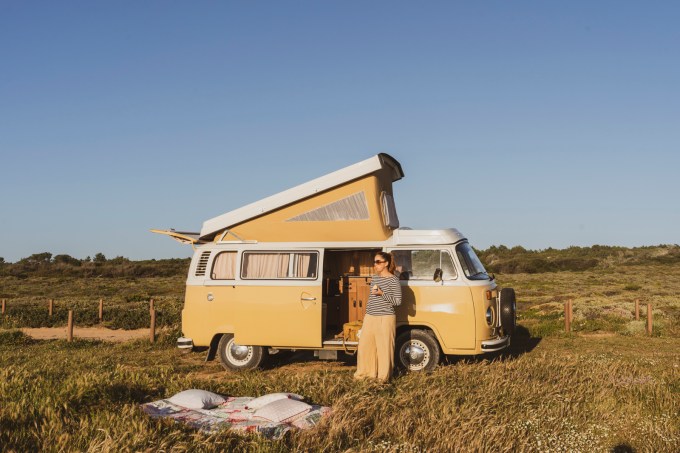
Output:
x,y
649,319
50,307
3,306
69,329
567,321
637,309
152,329
571,311
151,306
101,310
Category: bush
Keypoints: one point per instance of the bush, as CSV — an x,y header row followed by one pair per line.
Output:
x,y
504,260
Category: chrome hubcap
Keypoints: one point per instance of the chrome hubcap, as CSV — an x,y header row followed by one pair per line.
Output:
x,y
238,353
415,354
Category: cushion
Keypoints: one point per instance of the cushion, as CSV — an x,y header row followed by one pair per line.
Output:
x,y
271,397
197,399
283,410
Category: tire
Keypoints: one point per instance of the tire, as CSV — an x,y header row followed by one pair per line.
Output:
x,y
239,357
417,350
508,310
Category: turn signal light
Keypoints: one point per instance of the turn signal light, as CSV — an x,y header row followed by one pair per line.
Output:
x,y
488,294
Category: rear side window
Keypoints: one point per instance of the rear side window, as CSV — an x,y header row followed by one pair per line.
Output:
x,y
224,266
279,265
421,264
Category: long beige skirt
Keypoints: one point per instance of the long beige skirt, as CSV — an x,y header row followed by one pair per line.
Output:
x,y
375,358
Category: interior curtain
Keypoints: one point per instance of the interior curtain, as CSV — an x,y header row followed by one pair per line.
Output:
x,y
266,265
301,264
225,265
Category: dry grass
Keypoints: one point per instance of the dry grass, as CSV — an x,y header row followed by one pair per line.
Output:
x,y
577,394
126,301
603,299
552,392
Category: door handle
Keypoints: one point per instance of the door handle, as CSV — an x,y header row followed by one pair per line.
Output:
x,y
308,298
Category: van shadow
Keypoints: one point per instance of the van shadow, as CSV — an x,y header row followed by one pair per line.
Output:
x,y
286,358
408,298
522,343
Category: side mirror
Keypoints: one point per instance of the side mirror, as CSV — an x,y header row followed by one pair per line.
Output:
x,y
437,275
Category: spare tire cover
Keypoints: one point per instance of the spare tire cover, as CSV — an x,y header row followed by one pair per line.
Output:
x,y
508,310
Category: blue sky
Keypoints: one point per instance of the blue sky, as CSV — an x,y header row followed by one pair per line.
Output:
x,y
541,124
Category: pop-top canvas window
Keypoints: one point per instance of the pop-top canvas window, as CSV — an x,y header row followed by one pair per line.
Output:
x,y
224,266
353,207
279,265
389,211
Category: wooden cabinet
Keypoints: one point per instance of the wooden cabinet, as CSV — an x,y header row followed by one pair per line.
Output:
x,y
345,300
356,291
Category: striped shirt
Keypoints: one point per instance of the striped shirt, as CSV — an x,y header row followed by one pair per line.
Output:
x,y
391,297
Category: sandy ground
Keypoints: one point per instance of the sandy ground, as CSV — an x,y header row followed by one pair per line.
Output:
x,y
97,333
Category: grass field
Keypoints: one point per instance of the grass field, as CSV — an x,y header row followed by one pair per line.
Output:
x,y
605,387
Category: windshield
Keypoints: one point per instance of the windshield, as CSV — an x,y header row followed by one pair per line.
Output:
x,y
472,267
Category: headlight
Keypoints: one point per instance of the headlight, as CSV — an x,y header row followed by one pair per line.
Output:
x,y
489,316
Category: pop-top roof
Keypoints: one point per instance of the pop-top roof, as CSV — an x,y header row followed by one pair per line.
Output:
x,y
308,189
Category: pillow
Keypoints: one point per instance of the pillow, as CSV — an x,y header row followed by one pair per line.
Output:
x,y
271,397
196,399
283,410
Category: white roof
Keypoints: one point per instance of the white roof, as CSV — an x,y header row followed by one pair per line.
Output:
x,y
303,191
406,236
400,237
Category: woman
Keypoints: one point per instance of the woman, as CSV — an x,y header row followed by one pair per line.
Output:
x,y
375,357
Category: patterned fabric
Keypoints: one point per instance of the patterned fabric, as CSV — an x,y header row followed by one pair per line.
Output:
x,y
384,305
233,414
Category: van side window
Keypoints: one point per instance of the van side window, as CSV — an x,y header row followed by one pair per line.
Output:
x,y
224,266
421,264
279,265
447,266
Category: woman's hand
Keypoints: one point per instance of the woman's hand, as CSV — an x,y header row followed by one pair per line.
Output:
x,y
376,291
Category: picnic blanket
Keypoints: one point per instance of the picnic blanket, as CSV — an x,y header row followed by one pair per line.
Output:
x,y
234,415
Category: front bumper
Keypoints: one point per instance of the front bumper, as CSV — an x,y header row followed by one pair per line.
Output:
x,y
496,344
185,343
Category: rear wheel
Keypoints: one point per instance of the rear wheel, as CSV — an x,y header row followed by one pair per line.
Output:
x,y
239,357
417,350
508,310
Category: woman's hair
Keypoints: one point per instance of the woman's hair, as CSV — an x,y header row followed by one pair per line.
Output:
x,y
390,260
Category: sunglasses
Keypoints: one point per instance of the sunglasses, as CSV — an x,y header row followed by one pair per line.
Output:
x,y
378,262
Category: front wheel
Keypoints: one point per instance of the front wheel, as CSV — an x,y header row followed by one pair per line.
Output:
x,y
239,357
417,350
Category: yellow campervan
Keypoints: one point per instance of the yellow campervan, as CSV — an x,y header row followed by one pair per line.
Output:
x,y
291,270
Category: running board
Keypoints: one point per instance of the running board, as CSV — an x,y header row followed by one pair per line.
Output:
x,y
340,343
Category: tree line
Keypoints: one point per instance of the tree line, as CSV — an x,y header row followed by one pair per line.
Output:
x,y
47,265
512,260
498,259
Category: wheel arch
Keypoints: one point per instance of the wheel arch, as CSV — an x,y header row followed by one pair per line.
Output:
x,y
212,349
406,327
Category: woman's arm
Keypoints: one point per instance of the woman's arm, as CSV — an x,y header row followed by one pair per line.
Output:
x,y
392,291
